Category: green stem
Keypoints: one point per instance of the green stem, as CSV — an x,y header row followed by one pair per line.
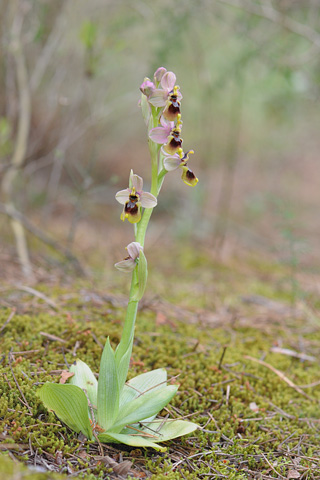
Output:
x,y
140,233
154,153
130,319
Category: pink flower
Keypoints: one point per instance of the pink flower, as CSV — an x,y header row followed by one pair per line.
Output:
x,y
129,263
161,134
134,198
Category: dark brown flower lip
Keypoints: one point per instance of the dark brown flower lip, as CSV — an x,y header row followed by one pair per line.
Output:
x,y
190,174
175,143
132,208
171,111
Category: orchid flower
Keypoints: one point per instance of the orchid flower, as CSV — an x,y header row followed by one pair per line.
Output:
x,y
174,141
172,108
129,263
180,159
168,135
134,198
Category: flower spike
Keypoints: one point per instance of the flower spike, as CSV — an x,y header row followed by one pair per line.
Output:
x,y
133,198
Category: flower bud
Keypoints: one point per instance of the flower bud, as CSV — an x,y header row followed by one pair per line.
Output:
x,y
147,87
158,74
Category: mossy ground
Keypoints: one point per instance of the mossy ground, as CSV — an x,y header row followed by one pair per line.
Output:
x,y
253,424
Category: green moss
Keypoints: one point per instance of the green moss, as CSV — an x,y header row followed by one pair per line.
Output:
x,y
247,413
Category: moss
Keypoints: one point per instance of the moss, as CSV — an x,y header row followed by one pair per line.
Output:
x,y
247,413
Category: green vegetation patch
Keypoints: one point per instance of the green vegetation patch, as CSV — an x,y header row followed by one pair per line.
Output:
x,y
248,375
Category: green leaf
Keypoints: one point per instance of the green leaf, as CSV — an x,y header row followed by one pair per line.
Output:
x,y
133,441
108,388
88,34
142,276
170,429
69,403
145,110
146,381
145,406
85,379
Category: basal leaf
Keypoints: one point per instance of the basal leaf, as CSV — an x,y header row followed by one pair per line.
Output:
x,y
108,389
152,380
168,429
70,404
85,379
145,406
133,441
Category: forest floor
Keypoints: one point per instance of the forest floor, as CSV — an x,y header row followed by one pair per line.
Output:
x,y
242,335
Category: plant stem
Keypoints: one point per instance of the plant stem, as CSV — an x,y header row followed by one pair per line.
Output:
x,y
129,322
140,233
154,153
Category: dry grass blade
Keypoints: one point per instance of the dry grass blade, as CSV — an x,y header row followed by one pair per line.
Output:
x,y
54,338
280,375
40,295
272,468
13,311
293,353
24,401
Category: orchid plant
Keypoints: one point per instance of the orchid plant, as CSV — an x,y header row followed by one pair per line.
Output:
x,y
112,410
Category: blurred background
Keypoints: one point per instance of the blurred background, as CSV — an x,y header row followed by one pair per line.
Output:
x,y
71,128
